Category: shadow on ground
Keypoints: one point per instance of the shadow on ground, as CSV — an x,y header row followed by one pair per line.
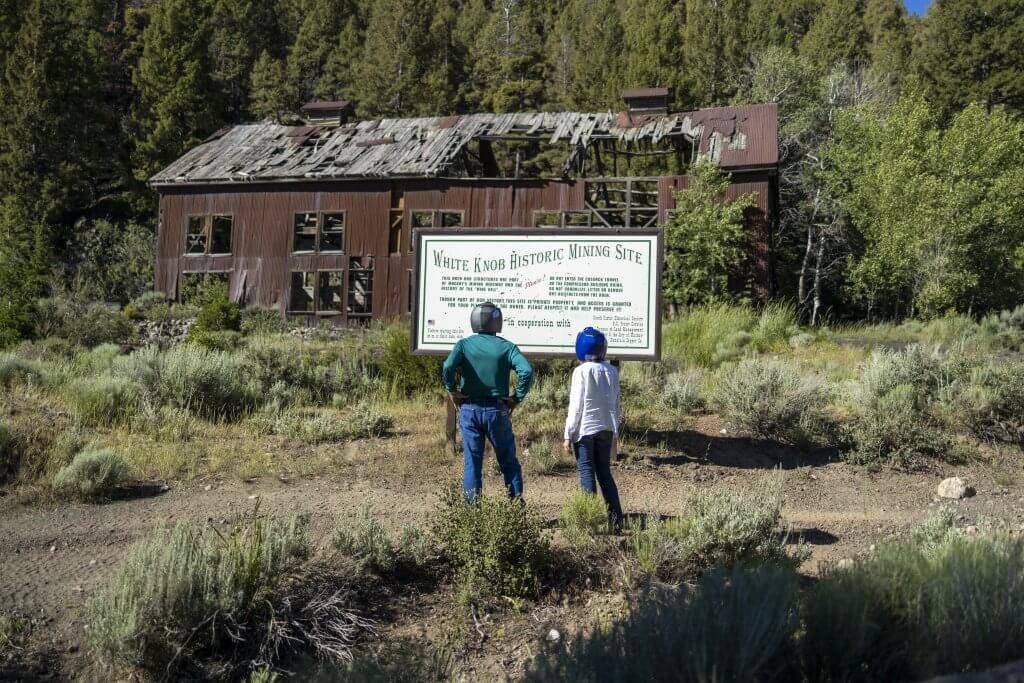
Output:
x,y
726,451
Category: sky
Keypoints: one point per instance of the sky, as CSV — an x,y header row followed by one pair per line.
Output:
x,y
917,6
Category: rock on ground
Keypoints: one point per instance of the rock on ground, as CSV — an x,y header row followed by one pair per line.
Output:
x,y
955,488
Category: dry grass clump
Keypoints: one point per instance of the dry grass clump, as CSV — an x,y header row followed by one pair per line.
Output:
x,y
93,473
195,602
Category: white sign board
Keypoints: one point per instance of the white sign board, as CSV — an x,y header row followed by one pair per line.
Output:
x,y
548,284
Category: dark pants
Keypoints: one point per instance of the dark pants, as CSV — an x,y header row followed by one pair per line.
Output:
x,y
482,421
594,458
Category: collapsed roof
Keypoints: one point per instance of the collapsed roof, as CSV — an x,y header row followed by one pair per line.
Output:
x,y
736,137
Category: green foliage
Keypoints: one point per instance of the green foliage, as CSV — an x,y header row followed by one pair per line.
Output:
x,y
103,400
213,384
110,261
542,456
707,336
704,238
188,590
366,541
81,323
584,517
940,225
733,626
475,538
261,321
991,403
13,369
769,399
682,393
365,421
895,430
220,340
403,371
92,473
148,306
7,452
218,314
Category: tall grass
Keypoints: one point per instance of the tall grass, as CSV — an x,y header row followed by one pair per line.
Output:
x,y
707,336
103,400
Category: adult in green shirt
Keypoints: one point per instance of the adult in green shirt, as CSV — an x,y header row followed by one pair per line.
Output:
x,y
476,375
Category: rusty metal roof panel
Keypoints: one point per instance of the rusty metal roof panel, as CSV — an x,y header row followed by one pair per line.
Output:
x,y
738,137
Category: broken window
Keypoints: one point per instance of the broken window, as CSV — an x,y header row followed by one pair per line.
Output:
x,y
207,235
332,231
395,232
573,219
450,219
547,219
360,288
301,299
305,232
324,232
331,293
420,219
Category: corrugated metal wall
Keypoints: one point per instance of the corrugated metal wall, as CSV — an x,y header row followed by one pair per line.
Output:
x,y
263,215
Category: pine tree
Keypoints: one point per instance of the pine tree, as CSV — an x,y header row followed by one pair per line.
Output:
x,y
970,52
505,61
713,49
586,49
837,35
889,51
240,31
653,44
404,71
779,22
272,95
177,104
328,28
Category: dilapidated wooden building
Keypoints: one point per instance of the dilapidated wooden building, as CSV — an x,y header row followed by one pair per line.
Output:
x,y
317,219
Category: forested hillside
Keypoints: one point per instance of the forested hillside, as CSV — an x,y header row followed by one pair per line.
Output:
x,y
903,162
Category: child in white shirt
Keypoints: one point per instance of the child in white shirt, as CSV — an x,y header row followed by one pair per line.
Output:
x,y
592,424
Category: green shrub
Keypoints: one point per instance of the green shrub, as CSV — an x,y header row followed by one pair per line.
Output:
x,y
263,321
212,384
219,340
92,473
1007,327
367,541
218,315
769,399
682,393
775,324
916,610
734,626
367,421
543,456
84,324
149,306
13,369
403,371
895,430
475,537
103,400
549,394
695,337
924,371
319,376
188,592
991,403
584,517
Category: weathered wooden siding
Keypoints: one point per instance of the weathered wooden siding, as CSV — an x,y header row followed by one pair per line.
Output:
x,y
262,260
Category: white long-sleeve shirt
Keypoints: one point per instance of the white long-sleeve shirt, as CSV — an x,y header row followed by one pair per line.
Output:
x,y
593,401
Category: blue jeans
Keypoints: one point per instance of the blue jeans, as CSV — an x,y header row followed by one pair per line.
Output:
x,y
594,457
481,421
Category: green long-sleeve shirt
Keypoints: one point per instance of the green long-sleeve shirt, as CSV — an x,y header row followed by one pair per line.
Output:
x,y
484,362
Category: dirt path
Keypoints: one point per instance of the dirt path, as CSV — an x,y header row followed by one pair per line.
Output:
x,y
53,557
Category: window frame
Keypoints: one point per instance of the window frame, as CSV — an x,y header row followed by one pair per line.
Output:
x,y
318,236
207,232
368,315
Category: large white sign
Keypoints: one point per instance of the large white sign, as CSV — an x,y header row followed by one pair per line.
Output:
x,y
548,285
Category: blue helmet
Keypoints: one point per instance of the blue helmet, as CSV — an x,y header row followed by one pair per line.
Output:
x,y
591,344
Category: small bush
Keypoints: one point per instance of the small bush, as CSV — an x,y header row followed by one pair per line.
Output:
x,y
189,592
220,340
212,384
991,404
734,626
476,539
1007,327
83,324
103,400
775,324
92,473
768,399
367,421
13,369
542,457
895,430
404,372
584,517
218,315
149,306
551,393
262,321
682,393
367,541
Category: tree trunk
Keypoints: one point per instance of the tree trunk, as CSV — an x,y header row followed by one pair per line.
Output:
x,y
817,280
